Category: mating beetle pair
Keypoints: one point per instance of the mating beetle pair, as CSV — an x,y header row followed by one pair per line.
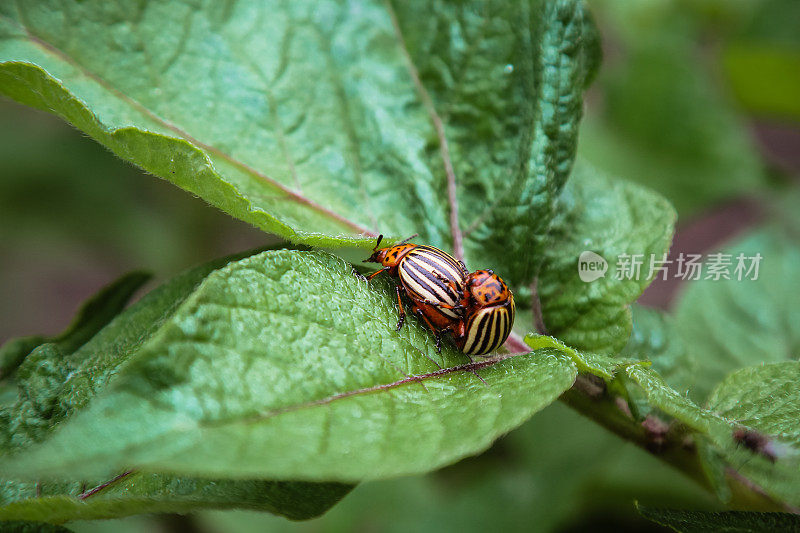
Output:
x,y
476,308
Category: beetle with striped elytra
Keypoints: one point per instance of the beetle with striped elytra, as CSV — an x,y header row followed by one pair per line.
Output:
x,y
432,279
489,314
478,308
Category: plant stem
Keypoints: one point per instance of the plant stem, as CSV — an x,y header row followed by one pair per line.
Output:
x,y
674,445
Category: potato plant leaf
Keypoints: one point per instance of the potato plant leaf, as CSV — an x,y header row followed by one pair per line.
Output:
x,y
735,323
287,365
318,121
655,339
137,493
764,401
53,383
613,219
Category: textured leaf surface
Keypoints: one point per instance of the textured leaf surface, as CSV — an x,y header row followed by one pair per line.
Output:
x,y
219,101
730,324
671,402
608,217
766,399
53,383
286,365
654,339
154,493
593,363
91,317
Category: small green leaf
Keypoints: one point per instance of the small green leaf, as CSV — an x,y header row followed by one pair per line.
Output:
x,y
610,218
93,315
654,339
765,399
286,365
156,493
671,402
725,521
597,364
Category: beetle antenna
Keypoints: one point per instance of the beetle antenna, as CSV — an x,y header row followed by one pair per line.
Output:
x,y
380,238
408,238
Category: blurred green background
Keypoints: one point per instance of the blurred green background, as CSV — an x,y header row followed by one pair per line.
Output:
x,y
699,100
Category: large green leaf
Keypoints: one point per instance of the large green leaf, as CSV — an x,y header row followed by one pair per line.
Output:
x,y
542,477
56,380
153,493
734,323
287,365
317,121
610,218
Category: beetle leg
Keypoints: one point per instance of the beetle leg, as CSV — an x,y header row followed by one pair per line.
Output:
x,y
436,332
384,269
402,311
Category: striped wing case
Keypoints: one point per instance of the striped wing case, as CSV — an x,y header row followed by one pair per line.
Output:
x,y
428,273
488,328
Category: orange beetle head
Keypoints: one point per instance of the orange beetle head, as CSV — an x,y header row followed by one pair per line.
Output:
x,y
389,256
486,288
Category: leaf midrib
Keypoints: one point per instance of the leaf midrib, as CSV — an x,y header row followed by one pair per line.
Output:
x,y
417,378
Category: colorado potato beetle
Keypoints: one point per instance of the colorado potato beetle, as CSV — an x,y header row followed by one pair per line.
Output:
x,y
489,314
477,308
432,279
